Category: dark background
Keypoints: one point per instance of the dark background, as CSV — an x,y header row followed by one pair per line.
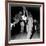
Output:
x,y
35,11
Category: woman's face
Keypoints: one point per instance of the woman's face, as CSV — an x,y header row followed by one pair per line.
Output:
x,y
22,24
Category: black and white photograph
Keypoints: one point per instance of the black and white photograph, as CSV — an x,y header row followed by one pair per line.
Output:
x,y
25,22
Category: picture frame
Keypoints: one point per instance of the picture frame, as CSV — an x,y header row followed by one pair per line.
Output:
x,y
36,9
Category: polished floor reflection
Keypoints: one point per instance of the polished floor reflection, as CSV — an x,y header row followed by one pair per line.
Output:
x,y
24,36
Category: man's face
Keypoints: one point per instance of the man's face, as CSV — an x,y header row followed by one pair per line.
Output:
x,y
22,24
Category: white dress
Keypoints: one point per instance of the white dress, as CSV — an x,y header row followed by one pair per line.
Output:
x,y
29,27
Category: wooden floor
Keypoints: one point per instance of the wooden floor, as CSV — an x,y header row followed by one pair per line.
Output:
x,y
24,36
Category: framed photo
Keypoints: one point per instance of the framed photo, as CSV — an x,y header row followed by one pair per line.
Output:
x,y
24,23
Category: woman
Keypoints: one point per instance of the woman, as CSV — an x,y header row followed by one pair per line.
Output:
x,y
29,26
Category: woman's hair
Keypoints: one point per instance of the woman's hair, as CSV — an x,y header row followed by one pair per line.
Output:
x,y
29,13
